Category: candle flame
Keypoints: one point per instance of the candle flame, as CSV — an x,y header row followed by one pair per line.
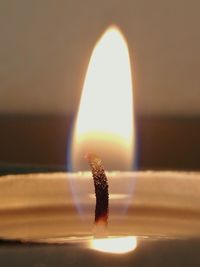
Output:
x,y
104,124
117,245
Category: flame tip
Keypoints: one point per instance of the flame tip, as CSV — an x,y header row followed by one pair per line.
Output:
x,y
113,28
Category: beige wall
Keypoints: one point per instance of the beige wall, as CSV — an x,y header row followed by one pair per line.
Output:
x,y
45,46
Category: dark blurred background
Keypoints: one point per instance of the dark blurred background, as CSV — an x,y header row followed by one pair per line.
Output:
x,y
45,48
42,141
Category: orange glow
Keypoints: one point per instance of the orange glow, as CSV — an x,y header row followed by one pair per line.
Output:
x,y
117,245
104,124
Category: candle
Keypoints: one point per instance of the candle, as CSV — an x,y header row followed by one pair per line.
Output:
x,y
59,207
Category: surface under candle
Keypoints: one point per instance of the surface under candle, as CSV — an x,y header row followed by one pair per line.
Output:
x,y
39,206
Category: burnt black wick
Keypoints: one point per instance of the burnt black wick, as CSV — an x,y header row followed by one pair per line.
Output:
x,y
101,188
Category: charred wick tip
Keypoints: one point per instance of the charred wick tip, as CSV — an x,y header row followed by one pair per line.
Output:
x,y
101,188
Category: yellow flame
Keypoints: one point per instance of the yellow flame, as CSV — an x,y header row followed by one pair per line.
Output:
x,y
118,245
104,124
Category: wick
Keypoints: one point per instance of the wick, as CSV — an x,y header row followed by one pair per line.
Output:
x,y
101,189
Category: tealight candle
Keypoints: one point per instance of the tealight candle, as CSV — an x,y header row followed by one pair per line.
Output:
x,y
60,207
41,206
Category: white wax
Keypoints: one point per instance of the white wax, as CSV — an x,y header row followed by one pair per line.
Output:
x,y
38,206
